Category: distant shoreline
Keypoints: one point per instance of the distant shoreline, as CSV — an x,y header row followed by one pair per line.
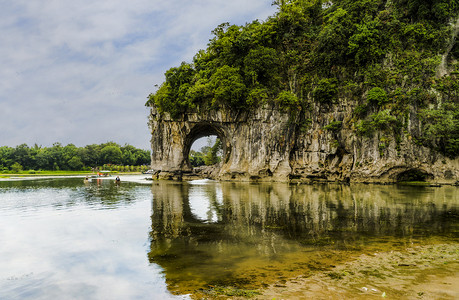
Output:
x,y
130,177
60,173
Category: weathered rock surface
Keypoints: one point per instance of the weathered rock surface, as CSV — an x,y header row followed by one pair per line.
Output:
x,y
269,144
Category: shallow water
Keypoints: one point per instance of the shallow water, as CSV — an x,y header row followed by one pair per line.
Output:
x,y
63,238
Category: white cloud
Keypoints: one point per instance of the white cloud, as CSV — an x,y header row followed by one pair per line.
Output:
x,y
80,71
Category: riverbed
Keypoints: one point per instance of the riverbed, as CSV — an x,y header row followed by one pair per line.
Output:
x,y
204,239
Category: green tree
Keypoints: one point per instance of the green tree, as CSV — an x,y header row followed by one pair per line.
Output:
x,y
287,99
21,155
213,155
326,90
196,158
56,156
172,94
16,167
6,156
91,155
441,129
75,163
44,159
68,153
111,154
129,158
261,66
228,86
367,44
377,96
143,157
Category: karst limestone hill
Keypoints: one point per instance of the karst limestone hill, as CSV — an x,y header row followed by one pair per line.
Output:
x,y
353,91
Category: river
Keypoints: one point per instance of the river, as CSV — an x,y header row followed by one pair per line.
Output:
x,y
66,239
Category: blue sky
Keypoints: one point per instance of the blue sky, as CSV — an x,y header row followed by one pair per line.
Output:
x,y
80,71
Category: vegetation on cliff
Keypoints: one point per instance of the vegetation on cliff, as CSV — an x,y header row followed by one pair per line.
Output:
x,y
395,61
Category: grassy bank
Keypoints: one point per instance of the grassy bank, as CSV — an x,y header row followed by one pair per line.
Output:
x,y
55,173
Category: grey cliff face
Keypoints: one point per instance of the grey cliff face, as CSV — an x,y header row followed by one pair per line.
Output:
x,y
269,144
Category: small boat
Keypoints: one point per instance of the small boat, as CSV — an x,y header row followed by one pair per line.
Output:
x,y
102,173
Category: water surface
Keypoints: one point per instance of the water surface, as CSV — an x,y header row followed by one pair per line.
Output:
x,y
63,238
245,235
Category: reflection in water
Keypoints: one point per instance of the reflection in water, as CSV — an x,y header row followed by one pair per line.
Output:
x,y
65,192
63,239
249,235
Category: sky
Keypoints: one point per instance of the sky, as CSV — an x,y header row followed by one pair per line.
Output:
x,y
80,72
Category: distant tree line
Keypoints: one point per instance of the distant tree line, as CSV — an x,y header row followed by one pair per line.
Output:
x,y
70,157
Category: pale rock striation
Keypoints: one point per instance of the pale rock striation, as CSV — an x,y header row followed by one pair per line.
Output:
x,y
270,144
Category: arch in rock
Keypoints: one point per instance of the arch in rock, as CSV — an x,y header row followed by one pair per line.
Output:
x,y
255,145
413,174
198,131
272,145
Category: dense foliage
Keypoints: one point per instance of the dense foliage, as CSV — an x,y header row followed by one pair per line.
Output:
x,y
386,56
208,155
70,157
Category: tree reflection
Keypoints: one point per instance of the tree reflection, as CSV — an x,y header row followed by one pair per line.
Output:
x,y
259,228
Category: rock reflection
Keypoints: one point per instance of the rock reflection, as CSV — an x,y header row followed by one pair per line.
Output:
x,y
243,234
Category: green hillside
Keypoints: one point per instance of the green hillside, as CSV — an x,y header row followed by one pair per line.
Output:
x,y
395,61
